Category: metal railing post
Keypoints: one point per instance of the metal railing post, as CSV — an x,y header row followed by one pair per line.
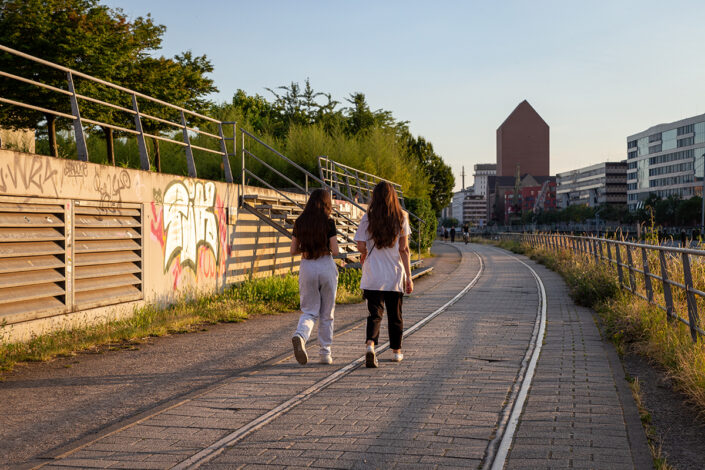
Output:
x,y
609,253
647,276
189,151
141,144
618,254
419,238
306,182
81,147
667,294
224,148
599,246
242,162
690,296
630,264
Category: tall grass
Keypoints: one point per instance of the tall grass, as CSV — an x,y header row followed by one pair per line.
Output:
x,y
266,296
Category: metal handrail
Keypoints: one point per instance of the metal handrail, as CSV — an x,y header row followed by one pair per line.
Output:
x,y
76,73
396,186
245,171
592,248
78,121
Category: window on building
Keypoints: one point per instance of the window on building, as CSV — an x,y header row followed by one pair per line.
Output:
x,y
654,137
686,142
686,129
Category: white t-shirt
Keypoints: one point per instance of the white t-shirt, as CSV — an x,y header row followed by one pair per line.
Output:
x,y
383,268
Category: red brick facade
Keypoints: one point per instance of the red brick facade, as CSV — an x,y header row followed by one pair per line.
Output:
x,y
522,140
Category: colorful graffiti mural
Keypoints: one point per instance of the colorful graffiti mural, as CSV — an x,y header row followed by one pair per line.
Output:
x,y
191,228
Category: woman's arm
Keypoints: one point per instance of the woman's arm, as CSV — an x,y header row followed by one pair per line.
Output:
x,y
294,248
405,254
333,245
362,248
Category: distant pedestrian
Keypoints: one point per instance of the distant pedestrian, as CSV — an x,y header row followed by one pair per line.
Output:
x,y
452,234
383,240
314,237
445,234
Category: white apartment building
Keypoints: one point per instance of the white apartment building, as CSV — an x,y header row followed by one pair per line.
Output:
x,y
482,171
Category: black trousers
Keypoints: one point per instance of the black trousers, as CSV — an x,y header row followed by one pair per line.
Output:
x,y
376,300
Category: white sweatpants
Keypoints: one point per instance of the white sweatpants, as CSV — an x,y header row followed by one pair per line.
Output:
x,y
318,283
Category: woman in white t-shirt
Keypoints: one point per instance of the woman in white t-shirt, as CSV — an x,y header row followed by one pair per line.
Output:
x,y
383,241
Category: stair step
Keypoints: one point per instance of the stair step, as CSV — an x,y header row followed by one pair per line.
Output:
x,y
420,272
279,207
261,197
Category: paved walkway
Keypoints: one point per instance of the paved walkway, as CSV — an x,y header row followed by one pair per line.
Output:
x,y
446,405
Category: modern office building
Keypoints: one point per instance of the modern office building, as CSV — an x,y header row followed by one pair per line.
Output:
x,y
523,142
594,185
482,171
475,210
666,159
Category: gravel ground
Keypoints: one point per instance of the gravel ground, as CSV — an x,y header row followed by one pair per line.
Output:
x,y
48,406
681,431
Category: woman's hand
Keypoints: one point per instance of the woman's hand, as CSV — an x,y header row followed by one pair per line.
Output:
x,y
409,288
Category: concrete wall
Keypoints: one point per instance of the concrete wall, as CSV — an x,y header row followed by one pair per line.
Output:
x,y
20,139
193,236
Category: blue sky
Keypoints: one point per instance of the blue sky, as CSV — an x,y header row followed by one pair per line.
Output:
x,y
595,71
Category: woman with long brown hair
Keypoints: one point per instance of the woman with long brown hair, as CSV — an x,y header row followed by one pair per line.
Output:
x,y
314,238
383,240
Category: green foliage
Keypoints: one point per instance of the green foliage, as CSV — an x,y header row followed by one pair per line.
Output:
x,y
282,289
449,222
80,34
92,38
349,279
671,211
439,174
422,208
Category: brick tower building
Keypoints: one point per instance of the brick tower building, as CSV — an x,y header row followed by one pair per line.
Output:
x,y
522,140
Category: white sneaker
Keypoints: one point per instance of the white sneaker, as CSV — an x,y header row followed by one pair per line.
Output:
x,y
327,359
299,349
397,357
370,357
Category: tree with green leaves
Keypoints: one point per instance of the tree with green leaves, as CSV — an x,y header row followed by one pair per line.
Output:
x,y
439,174
180,80
80,34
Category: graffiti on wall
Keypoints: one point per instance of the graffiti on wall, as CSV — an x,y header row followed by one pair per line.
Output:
x,y
191,229
26,173
110,188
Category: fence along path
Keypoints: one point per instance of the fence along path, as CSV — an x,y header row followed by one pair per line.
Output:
x,y
663,276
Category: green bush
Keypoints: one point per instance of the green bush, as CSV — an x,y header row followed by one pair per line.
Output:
x,y
281,289
422,208
349,279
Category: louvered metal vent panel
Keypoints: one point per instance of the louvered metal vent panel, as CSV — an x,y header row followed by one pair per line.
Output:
x,y
32,260
107,256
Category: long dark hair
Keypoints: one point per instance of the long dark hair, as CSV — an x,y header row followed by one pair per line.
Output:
x,y
311,227
384,215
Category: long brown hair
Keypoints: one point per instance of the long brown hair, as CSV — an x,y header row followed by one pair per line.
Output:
x,y
311,227
384,215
